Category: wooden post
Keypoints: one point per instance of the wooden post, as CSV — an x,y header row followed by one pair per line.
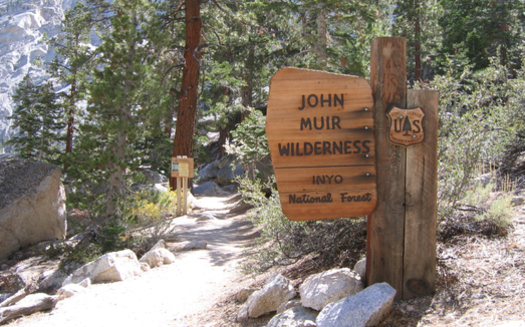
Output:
x,y
185,195
386,225
179,206
421,201
401,244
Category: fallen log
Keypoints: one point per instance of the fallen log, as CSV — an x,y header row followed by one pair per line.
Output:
x,y
29,305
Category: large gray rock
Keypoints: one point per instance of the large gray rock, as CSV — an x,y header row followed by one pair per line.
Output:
x,y
360,268
295,317
158,257
111,267
227,174
152,177
333,285
367,308
210,188
51,279
288,305
70,290
276,291
209,172
32,204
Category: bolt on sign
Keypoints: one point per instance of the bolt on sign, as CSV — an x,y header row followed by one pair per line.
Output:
x,y
320,132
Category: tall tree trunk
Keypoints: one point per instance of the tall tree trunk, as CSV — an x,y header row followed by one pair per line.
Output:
x,y
321,35
185,127
417,46
224,134
116,177
72,99
247,91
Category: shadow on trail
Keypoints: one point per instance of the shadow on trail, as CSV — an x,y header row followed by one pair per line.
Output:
x,y
221,222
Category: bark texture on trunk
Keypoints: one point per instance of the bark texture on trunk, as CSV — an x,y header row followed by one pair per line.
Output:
x,y
185,127
321,35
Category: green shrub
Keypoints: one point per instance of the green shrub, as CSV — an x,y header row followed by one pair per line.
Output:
x,y
478,122
334,242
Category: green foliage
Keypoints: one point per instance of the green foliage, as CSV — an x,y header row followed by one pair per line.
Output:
x,y
39,122
490,206
251,138
282,241
149,206
417,21
112,237
79,255
123,127
477,116
481,28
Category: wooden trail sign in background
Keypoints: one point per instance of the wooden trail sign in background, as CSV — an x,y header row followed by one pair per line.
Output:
x,y
401,232
320,132
182,169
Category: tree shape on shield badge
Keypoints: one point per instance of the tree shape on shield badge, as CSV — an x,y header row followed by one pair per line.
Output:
x,y
406,126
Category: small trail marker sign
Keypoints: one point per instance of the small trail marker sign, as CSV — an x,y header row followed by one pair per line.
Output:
x,y
182,169
320,132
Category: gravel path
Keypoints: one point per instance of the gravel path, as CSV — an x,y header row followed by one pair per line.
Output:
x,y
171,295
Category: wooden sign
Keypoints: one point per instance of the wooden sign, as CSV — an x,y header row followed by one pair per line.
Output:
x,y
406,126
182,167
320,132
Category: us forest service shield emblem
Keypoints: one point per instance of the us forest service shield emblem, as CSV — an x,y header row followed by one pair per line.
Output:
x,y
406,126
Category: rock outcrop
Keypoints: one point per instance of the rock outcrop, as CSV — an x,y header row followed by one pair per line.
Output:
x,y
333,285
360,268
158,256
295,317
367,308
111,267
276,291
32,204
22,28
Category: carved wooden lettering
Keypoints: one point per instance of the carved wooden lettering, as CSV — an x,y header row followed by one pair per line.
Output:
x,y
319,128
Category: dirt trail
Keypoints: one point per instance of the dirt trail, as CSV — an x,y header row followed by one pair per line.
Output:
x,y
173,295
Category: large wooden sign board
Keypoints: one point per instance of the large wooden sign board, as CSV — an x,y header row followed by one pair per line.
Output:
x,y
320,132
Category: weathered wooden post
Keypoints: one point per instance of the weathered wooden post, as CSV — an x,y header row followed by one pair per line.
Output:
x,y
182,169
401,245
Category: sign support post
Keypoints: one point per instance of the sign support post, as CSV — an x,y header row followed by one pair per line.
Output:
x,y
401,232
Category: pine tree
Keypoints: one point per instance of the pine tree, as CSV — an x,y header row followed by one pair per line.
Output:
x,y
116,116
38,122
73,62
186,114
480,29
417,21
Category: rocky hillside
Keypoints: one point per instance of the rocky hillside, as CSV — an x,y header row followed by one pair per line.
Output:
x,y
23,24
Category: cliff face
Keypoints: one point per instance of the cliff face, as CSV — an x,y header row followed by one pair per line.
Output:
x,y
22,27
